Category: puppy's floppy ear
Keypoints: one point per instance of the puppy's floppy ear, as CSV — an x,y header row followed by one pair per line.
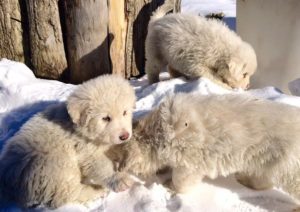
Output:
x,y
232,66
221,67
236,66
76,107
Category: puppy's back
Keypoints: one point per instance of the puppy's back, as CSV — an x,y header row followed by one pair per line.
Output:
x,y
256,117
194,31
24,162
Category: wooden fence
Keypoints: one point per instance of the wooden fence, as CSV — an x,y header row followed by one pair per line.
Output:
x,y
75,40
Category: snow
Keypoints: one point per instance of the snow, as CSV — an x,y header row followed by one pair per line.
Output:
x,y
204,7
22,95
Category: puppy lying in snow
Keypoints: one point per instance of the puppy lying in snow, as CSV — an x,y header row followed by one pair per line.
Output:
x,y
194,47
210,136
58,156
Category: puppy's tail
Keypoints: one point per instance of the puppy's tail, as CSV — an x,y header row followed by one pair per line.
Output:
x,y
161,11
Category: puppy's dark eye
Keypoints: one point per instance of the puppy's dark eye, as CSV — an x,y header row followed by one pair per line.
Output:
x,y
186,124
124,113
245,75
106,118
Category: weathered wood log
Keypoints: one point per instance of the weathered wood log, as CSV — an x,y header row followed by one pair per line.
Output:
x,y
87,38
117,27
97,36
11,41
109,41
46,42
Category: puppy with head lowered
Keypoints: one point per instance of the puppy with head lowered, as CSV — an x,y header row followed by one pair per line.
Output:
x,y
193,47
58,156
218,136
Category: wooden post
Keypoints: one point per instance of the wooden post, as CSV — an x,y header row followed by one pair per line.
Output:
x,y
11,41
87,38
46,42
98,36
117,27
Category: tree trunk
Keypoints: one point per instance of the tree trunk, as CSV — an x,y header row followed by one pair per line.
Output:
x,y
87,38
11,46
46,42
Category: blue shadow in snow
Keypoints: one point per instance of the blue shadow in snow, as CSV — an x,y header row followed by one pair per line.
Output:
x,y
11,122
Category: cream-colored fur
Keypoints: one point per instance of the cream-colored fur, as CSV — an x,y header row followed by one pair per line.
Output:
x,y
212,136
193,46
58,156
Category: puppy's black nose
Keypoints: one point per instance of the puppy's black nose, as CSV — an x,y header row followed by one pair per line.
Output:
x,y
124,136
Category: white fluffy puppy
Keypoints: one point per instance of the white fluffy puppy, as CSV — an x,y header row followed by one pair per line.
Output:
x,y
58,156
193,47
218,136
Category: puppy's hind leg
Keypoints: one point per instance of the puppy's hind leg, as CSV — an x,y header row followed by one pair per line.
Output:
x,y
254,182
153,67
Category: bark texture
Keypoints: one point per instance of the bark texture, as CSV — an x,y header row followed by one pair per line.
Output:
x,y
46,42
87,38
11,38
76,40
117,30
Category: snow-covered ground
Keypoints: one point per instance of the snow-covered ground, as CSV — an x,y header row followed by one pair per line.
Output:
x,y
204,7
22,95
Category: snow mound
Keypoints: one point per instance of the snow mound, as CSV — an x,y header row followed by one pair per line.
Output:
x,y
22,95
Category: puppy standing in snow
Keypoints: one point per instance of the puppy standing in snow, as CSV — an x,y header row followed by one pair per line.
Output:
x,y
58,156
219,135
193,47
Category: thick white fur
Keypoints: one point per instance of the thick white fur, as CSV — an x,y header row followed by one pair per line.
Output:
x,y
193,46
58,156
219,135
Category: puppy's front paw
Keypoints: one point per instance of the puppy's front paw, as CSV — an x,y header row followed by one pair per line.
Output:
x,y
121,182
